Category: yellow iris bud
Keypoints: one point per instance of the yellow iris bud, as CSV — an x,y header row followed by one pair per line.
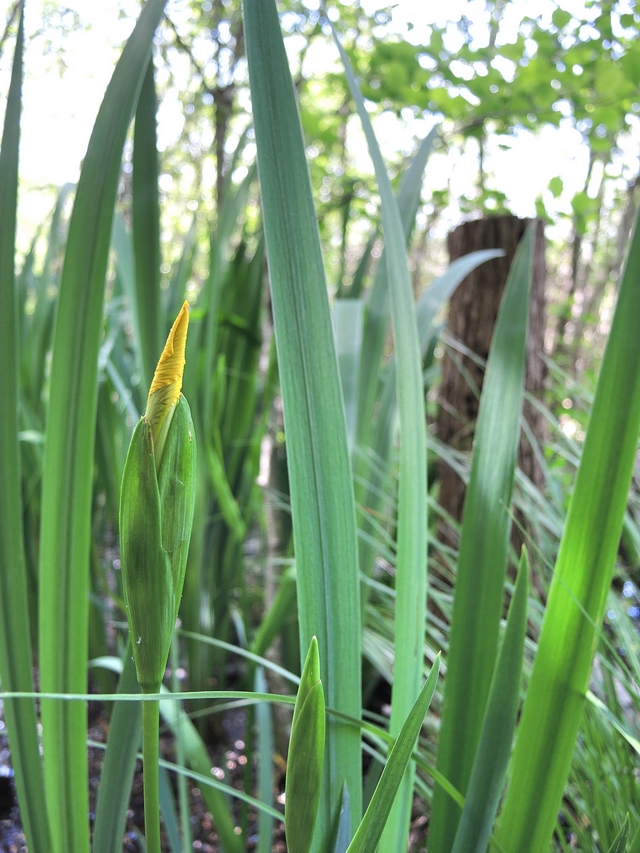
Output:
x,y
167,382
157,499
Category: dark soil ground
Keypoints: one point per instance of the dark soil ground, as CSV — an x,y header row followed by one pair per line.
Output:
x,y
203,832
205,839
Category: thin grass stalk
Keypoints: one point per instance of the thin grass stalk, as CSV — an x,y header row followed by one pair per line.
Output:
x,y
68,462
266,748
15,631
411,565
577,597
322,502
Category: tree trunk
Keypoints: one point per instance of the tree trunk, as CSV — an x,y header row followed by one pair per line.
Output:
x,y
472,315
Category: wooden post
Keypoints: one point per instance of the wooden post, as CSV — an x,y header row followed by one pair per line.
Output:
x,y
472,315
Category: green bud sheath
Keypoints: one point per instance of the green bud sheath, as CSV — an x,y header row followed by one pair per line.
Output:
x,y
177,485
146,570
306,752
156,514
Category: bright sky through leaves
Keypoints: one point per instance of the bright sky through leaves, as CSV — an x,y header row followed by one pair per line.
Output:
x,y
67,73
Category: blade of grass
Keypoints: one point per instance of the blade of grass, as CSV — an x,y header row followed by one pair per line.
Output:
x,y
15,631
322,502
577,597
631,739
122,246
265,764
68,462
484,539
145,220
442,288
347,324
37,327
168,811
125,736
375,327
427,308
377,309
494,746
620,841
411,575
233,206
343,836
370,831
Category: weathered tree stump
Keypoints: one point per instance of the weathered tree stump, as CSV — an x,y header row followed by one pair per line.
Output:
x,y
472,315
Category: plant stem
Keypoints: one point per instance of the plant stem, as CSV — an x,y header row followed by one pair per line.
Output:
x,y
150,757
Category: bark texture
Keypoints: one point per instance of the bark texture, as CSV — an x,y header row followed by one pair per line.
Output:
x,y
472,315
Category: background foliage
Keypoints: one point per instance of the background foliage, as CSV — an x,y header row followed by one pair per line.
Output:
x,y
489,80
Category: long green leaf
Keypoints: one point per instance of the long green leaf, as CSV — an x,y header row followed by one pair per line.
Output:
x,y
370,831
577,597
411,574
369,432
68,463
483,549
266,746
442,288
377,313
427,308
373,431
322,503
347,324
37,327
122,246
494,747
145,217
15,632
219,256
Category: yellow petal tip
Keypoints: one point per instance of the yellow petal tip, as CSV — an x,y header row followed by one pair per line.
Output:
x,y
167,380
